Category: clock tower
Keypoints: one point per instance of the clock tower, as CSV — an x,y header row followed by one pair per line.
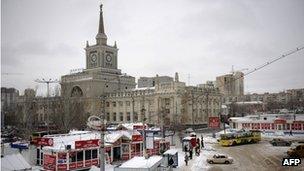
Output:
x,y
101,55
101,75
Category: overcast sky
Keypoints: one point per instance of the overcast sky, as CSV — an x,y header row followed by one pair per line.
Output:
x,y
45,39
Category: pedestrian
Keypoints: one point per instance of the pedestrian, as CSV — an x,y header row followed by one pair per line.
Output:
x,y
171,162
186,159
186,148
190,153
197,151
290,133
202,143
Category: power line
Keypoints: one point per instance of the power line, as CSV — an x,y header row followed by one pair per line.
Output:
x,y
284,55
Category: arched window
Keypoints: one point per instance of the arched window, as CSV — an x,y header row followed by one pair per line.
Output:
x,y
76,92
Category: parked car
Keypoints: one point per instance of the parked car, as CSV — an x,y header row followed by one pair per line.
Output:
x,y
297,151
280,142
220,158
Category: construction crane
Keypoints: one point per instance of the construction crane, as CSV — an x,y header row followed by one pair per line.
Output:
x,y
47,82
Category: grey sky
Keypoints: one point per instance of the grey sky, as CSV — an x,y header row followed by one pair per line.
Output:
x,y
45,38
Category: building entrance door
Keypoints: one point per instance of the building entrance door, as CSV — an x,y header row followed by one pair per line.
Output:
x,y
116,153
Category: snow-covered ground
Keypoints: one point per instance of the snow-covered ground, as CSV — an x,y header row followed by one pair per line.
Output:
x,y
198,163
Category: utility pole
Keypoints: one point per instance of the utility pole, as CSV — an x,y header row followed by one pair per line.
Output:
x,y
144,130
101,150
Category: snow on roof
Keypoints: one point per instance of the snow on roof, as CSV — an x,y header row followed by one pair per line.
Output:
x,y
171,151
14,162
61,140
114,136
141,162
266,118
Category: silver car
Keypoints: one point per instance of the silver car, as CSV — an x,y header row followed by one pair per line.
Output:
x,y
220,158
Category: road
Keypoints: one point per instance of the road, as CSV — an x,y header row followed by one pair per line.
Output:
x,y
261,156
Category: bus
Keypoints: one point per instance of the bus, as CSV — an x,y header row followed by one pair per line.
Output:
x,y
240,137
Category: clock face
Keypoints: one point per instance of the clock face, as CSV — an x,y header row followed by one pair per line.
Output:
x,y
93,57
108,58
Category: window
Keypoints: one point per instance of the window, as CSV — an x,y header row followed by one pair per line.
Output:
x,y
121,116
114,116
120,103
107,104
88,154
94,154
114,104
80,156
108,116
127,103
72,157
135,116
128,116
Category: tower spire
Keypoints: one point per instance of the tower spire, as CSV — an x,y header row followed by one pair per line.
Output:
x,y
101,37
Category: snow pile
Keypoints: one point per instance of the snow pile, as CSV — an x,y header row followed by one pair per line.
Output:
x,y
210,140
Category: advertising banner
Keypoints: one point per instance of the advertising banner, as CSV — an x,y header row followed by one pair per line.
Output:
x,y
49,162
87,143
44,141
214,122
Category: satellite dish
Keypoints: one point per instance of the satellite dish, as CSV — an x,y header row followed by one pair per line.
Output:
x,y
96,123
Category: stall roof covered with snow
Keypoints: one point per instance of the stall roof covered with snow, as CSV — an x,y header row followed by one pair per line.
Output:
x,y
141,163
59,142
268,118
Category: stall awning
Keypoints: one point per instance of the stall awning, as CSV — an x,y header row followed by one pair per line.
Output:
x,y
14,162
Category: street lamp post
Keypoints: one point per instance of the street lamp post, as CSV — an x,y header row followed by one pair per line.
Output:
x,y
102,127
98,123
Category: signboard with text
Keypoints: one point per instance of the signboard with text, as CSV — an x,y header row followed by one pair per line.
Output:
x,y
86,143
137,138
49,162
214,122
44,141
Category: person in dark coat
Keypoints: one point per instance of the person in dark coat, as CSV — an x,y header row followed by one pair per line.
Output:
x,y
186,148
171,162
197,150
186,159
202,143
190,153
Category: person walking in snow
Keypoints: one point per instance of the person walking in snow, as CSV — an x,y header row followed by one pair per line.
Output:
x,y
197,150
190,153
186,148
202,143
186,159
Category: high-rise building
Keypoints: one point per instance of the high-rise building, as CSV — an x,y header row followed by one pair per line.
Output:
x,y
231,84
